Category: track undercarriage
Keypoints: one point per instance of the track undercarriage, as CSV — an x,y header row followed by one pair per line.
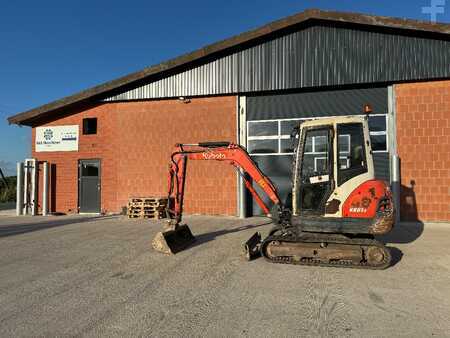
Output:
x,y
320,249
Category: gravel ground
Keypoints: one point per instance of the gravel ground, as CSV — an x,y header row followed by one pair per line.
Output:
x,y
84,276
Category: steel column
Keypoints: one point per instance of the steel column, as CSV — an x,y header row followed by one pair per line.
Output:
x,y
392,147
19,189
243,142
45,189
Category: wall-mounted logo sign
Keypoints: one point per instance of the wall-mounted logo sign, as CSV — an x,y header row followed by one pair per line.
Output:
x,y
48,134
58,138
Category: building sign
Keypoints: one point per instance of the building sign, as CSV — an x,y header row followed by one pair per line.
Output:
x,y
59,138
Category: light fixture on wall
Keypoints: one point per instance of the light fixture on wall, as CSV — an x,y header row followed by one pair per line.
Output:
x,y
184,99
367,109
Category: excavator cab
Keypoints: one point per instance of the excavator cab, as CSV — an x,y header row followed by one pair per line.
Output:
x,y
334,185
332,156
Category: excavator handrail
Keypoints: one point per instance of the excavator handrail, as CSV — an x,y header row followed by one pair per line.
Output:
x,y
217,151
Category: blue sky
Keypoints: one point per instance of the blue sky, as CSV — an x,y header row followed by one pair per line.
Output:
x,y
50,49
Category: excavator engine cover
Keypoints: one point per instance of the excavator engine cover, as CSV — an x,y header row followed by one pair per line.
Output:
x,y
173,240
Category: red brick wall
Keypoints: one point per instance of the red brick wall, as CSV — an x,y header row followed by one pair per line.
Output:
x,y
134,141
423,137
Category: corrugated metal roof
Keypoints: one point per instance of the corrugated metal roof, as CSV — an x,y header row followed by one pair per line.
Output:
x,y
188,71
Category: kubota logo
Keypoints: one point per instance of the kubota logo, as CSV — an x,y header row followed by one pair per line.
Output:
x,y
213,156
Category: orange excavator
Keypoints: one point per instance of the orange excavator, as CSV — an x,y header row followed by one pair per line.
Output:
x,y
337,204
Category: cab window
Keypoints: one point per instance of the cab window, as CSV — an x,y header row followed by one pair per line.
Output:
x,y
315,170
351,149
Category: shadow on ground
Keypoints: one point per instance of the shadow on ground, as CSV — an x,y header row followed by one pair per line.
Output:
x,y
18,229
403,233
210,236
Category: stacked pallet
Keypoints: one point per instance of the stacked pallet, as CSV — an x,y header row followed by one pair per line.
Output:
x,y
147,207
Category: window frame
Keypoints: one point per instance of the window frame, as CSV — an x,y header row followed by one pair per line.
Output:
x,y
280,136
381,133
85,121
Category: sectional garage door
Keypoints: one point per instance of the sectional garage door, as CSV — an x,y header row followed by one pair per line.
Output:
x,y
271,118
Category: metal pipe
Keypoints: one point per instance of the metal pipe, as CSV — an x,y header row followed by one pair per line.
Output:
x,y
238,141
25,188
45,189
395,185
19,189
394,164
34,171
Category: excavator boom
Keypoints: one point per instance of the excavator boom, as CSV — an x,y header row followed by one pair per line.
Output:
x,y
176,236
215,151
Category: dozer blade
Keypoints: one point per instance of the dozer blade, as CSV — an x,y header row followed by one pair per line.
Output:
x,y
173,240
252,247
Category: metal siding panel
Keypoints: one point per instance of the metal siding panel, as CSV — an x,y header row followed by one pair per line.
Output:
x,y
325,103
279,170
381,164
313,57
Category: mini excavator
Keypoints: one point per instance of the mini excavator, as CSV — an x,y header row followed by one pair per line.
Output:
x,y
337,203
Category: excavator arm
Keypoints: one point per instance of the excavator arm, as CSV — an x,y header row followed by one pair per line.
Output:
x,y
215,151
175,236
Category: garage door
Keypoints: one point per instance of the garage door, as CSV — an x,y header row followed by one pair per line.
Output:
x,y
270,119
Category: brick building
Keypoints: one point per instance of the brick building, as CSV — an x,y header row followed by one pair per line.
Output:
x,y
252,89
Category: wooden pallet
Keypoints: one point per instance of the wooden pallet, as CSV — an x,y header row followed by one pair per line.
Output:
x,y
147,207
157,215
148,200
147,204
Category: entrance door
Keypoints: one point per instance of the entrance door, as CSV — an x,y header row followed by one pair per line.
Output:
x,y
89,186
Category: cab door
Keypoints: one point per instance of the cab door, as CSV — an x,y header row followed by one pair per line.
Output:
x,y
316,170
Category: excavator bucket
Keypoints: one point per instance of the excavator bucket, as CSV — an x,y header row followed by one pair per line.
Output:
x,y
173,240
252,247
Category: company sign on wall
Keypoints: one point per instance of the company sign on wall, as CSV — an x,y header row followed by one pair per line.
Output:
x,y
59,138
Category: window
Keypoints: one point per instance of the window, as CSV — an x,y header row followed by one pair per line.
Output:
x,y
89,169
90,126
377,130
354,162
262,146
273,137
315,156
344,151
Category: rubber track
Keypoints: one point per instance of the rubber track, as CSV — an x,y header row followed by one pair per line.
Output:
x,y
318,238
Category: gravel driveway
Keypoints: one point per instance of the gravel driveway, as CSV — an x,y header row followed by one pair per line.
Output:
x,y
85,276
